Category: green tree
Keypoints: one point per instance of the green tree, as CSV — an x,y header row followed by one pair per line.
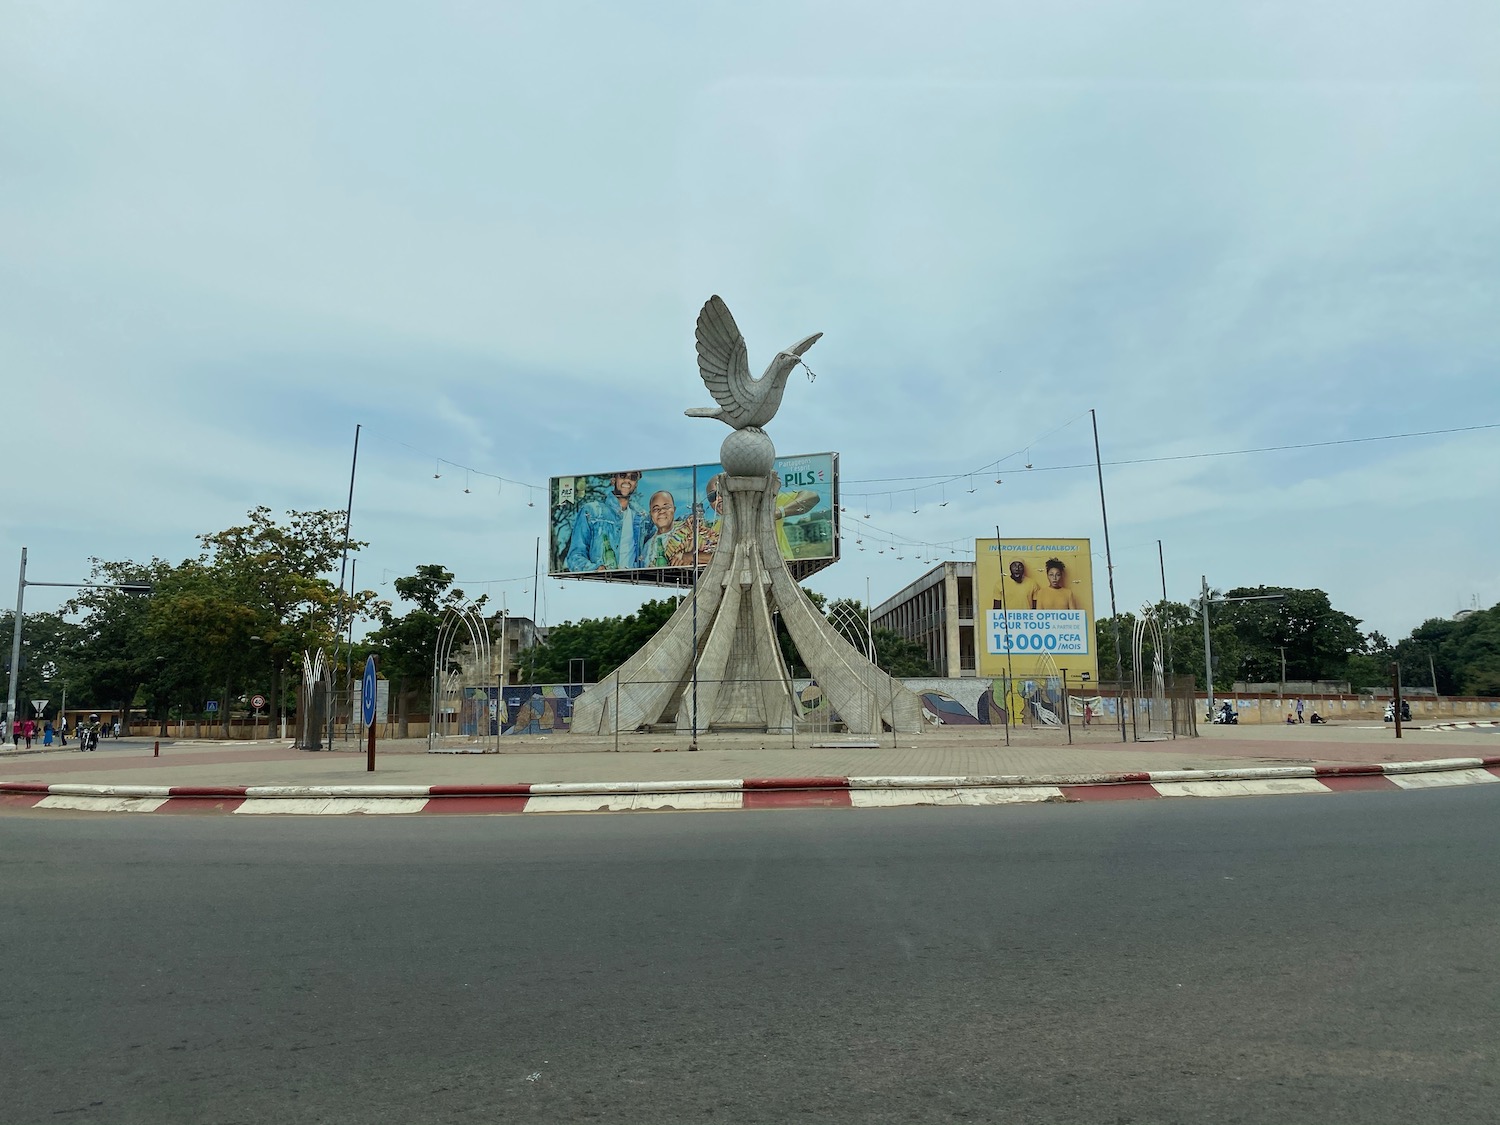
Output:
x,y
281,571
1181,629
215,626
112,657
1302,628
48,641
899,657
602,644
1464,654
1370,667
406,645
894,654
201,639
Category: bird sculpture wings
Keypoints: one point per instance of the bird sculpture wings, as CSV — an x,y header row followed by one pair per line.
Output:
x,y
725,368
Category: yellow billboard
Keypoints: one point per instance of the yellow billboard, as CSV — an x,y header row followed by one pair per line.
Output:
x,y
1034,601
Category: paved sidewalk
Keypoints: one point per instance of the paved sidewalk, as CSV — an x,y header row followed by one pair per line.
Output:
x,y
563,758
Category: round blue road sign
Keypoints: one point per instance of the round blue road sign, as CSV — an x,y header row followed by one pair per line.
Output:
x,y
367,692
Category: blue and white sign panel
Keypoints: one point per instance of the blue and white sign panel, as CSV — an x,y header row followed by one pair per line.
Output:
x,y
1038,632
367,692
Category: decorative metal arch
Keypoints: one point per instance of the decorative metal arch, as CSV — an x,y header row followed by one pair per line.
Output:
x,y
1049,686
459,625
1150,699
855,627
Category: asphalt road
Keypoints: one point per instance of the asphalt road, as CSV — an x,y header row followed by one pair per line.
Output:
x,y
1292,959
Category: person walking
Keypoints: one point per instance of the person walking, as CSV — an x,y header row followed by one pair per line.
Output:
x,y
1299,709
62,730
30,730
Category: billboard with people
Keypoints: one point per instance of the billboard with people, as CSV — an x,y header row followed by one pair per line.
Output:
x,y
661,525
1035,609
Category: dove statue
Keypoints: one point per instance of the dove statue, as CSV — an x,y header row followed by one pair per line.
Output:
x,y
744,403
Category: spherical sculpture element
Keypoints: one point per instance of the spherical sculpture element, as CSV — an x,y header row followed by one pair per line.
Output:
x,y
747,453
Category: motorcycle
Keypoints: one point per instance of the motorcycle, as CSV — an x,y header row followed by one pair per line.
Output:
x,y
1225,717
1390,712
88,739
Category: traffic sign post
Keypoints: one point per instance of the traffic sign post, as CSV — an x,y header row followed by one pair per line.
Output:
x,y
367,711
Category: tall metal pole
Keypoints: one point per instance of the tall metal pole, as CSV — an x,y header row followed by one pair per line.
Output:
x,y
1162,561
869,623
1396,695
1171,668
693,745
1067,711
338,629
348,515
1208,651
502,676
1010,668
15,645
349,649
1110,566
536,572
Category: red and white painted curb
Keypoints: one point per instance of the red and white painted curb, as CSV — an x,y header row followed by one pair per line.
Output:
x,y
745,793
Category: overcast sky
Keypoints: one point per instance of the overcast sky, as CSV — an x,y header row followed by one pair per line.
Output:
x,y
230,232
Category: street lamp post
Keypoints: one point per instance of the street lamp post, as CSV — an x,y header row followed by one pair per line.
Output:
x,y
1208,652
15,642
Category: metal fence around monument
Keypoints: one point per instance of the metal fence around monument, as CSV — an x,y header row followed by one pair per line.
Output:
x,y
488,714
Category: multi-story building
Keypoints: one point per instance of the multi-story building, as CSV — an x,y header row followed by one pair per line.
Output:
x,y
937,612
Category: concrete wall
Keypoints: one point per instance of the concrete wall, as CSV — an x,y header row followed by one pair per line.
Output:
x,y
1263,708
151,729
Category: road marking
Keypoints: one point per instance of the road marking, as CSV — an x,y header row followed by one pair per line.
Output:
x,y
101,804
1006,795
634,802
1441,780
303,806
1265,788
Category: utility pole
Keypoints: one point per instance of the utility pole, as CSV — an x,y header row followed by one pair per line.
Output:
x,y
15,646
1109,565
1208,650
1396,695
343,607
15,639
